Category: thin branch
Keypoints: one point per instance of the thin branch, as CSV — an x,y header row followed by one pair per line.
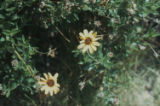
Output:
x,y
63,35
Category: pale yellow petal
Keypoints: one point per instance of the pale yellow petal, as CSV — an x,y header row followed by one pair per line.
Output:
x,y
95,34
85,32
51,92
46,91
57,85
96,43
82,41
45,75
43,88
81,46
91,33
55,76
98,38
41,83
91,50
42,79
56,90
93,38
85,49
93,47
82,36
50,75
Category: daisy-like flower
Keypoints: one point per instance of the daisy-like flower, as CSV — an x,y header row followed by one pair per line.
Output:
x,y
52,52
49,84
88,41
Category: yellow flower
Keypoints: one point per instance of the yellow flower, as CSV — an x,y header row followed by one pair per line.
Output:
x,y
88,41
49,84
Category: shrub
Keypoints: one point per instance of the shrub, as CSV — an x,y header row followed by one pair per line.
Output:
x,y
41,36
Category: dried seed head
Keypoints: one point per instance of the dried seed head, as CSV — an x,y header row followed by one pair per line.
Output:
x,y
97,23
116,101
141,47
37,77
110,37
14,62
81,85
42,4
110,54
51,52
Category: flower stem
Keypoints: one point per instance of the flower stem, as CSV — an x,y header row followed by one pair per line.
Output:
x,y
97,62
27,66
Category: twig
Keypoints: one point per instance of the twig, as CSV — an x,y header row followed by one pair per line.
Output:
x,y
155,53
33,102
63,35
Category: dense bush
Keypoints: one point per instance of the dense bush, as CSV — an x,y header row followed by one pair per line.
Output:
x,y
41,36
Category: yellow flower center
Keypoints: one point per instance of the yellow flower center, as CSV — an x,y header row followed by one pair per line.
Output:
x,y
88,41
50,83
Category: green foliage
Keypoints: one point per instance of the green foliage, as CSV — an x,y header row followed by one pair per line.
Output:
x,y
28,28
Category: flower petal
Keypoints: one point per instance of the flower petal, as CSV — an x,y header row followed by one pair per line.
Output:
x,y
43,88
91,50
45,75
56,90
85,49
98,38
81,46
82,41
95,34
46,91
96,43
50,75
93,47
51,93
85,32
91,33
57,85
41,83
55,75
82,36
42,79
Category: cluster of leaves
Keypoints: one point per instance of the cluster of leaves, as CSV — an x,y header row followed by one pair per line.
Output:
x,y
29,27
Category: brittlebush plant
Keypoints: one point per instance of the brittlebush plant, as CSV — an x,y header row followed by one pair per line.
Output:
x,y
91,44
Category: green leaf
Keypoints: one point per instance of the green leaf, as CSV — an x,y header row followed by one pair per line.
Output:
x,y
2,39
2,17
14,31
13,85
10,9
87,8
15,17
